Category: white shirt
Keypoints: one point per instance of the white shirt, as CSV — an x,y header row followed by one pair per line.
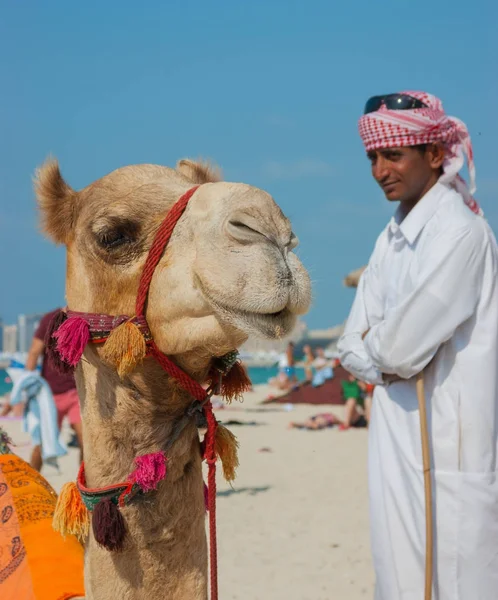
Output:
x,y
429,298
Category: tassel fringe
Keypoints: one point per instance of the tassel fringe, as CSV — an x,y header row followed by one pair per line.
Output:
x,y
150,469
125,348
235,383
226,449
108,525
71,516
72,337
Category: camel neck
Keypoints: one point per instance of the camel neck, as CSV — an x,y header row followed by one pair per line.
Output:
x,y
123,419
126,418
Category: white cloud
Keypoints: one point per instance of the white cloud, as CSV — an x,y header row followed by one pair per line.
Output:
x,y
305,167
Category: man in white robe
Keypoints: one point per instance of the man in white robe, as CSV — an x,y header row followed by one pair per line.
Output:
x,y
428,301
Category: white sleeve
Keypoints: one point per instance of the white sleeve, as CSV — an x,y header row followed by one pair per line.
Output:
x,y
365,312
444,297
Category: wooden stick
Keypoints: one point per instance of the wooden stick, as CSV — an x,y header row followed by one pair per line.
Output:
x,y
426,461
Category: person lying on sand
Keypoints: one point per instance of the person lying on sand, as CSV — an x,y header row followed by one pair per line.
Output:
x,y
325,420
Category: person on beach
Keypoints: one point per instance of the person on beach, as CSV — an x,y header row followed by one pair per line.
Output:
x,y
315,422
308,362
326,420
353,392
62,385
428,302
286,378
323,368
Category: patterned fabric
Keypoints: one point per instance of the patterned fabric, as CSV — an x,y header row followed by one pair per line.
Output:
x,y
101,325
36,563
398,128
13,562
34,496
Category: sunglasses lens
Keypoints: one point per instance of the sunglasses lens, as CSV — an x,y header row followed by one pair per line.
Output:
x,y
393,102
400,102
373,104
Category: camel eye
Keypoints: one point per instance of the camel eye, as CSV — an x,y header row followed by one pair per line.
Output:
x,y
113,239
117,235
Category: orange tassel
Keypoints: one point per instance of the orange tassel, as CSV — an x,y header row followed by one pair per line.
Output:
x,y
71,516
125,348
226,448
235,383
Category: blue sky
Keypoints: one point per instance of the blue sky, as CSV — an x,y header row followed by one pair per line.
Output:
x,y
269,90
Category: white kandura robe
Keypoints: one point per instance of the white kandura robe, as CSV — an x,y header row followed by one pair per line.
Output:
x,y
430,299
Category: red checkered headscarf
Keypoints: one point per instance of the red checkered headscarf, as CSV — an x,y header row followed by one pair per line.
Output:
x,y
397,128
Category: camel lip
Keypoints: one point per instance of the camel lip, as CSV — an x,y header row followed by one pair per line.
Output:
x,y
269,325
281,314
276,314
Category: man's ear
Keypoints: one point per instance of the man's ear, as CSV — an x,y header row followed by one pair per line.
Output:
x,y
56,201
436,154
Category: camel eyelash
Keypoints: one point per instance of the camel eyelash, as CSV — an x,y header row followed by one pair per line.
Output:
x,y
113,239
117,235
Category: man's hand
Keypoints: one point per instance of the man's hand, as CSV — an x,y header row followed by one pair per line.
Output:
x,y
387,379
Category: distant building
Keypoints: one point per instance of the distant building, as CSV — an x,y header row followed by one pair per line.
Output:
x,y
26,327
9,343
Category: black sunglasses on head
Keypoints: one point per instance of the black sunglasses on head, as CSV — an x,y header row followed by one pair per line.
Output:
x,y
393,102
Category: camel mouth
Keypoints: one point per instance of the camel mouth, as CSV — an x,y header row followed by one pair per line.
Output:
x,y
269,325
273,325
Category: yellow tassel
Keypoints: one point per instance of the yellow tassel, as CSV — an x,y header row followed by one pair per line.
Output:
x,y
226,447
71,516
125,348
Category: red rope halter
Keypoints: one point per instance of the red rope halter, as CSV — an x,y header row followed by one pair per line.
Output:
x,y
159,244
157,249
188,384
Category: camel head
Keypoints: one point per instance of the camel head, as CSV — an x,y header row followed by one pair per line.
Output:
x,y
229,270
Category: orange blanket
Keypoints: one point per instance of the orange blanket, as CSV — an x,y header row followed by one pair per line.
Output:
x,y
36,563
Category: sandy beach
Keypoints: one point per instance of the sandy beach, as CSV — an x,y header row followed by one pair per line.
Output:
x,y
295,524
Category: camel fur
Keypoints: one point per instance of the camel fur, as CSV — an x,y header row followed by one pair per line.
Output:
x,y
228,272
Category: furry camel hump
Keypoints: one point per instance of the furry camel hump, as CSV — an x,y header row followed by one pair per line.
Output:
x,y
199,171
55,200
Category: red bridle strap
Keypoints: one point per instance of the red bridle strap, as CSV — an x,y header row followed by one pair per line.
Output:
x,y
187,383
159,244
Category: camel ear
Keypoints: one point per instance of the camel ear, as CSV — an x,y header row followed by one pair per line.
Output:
x,y
56,200
199,172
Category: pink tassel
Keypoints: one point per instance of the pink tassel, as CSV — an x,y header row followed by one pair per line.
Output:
x,y
150,470
72,337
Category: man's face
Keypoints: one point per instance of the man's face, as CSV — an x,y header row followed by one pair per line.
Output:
x,y
406,174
